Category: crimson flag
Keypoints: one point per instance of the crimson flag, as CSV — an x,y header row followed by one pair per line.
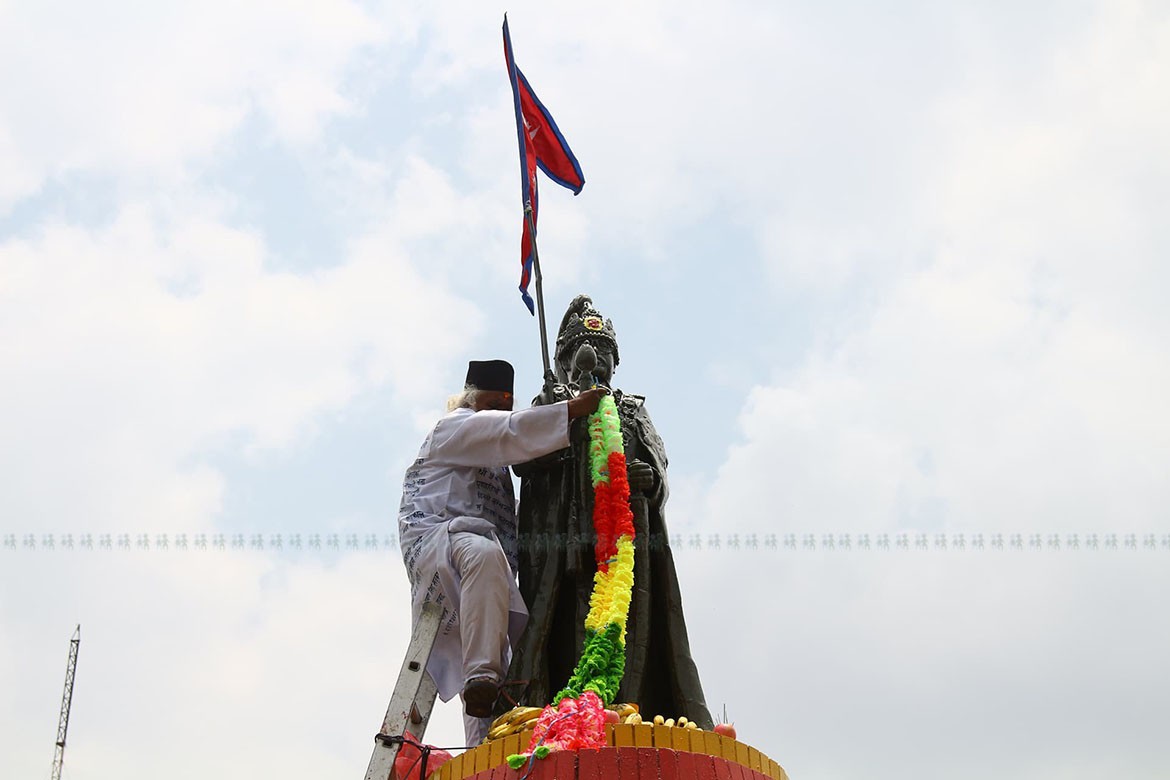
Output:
x,y
541,146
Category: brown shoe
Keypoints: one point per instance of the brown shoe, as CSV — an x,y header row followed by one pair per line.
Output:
x,y
479,696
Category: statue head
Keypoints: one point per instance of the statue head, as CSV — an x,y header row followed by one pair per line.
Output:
x,y
586,344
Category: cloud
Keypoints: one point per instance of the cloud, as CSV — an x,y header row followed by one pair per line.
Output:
x,y
959,216
216,662
133,351
141,91
996,367
906,662
1012,368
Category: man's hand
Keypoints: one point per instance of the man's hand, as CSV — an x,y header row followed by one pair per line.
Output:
x,y
641,476
586,403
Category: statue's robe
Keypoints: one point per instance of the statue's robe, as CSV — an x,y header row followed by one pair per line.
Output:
x,y
556,578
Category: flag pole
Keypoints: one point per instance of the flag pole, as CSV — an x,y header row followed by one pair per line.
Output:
x,y
549,378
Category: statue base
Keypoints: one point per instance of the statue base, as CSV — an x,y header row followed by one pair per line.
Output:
x,y
634,752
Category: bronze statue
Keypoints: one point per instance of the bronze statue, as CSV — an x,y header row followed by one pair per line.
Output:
x,y
557,545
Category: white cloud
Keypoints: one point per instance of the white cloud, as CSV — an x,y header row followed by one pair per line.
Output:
x,y
839,664
214,662
968,208
132,350
1004,376
139,91
1012,376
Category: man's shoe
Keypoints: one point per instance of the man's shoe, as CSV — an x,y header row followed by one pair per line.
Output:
x,y
479,696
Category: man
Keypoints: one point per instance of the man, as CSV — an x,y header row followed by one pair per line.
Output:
x,y
557,555
457,525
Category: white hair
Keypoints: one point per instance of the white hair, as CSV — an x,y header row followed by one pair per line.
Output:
x,y
464,400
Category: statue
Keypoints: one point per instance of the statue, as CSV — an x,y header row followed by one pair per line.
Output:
x,y
557,545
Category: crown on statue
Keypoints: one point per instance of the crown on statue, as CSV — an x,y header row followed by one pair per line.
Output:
x,y
584,322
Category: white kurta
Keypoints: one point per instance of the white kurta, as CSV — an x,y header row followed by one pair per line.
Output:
x,y
460,483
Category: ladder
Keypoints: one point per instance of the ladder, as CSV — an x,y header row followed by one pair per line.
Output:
x,y
413,697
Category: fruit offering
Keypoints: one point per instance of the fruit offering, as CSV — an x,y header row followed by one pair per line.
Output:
x,y
513,721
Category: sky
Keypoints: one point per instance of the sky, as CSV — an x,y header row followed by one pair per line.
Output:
x,y
891,278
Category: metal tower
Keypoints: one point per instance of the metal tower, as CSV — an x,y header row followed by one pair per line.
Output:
x,y
66,700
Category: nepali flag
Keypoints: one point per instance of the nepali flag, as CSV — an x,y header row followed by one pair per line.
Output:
x,y
543,146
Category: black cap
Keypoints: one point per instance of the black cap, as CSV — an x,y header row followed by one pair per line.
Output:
x,y
491,375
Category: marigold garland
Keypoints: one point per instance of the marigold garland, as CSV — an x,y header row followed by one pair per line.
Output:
x,y
575,718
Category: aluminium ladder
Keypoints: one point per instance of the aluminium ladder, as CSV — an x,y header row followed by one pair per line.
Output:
x,y
413,697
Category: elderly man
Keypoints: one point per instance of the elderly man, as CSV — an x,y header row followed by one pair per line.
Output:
x,y
457,525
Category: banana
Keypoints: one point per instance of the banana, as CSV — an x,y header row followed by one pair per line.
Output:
x,y
625,710
633,719
513,721
516,714
682,721
499,732
659,720
530,713
509,729
669,722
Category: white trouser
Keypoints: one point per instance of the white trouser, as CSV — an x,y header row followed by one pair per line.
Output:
x,y
485,581
474,729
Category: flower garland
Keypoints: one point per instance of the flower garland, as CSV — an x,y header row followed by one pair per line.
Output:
x,y
575,719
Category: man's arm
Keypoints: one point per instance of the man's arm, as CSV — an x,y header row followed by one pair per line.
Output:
x,y
552,393
496,438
